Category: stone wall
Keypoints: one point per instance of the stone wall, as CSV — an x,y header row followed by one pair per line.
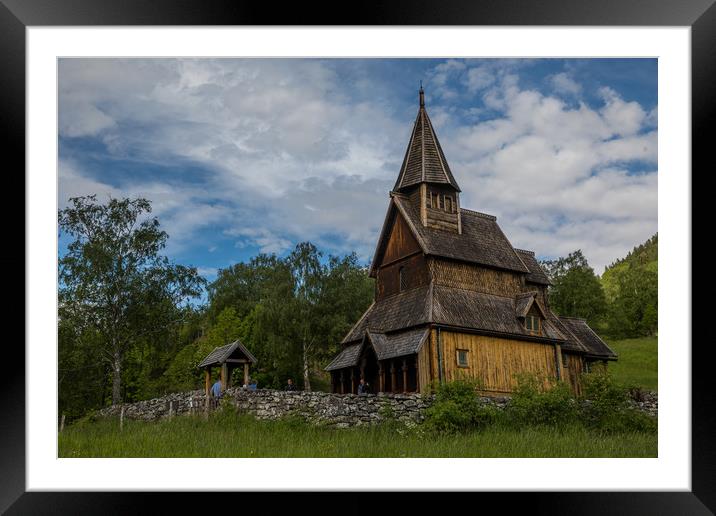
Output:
x,y
646,401
339,410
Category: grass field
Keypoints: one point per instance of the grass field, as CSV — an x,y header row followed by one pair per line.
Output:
x,y
637,364
230,435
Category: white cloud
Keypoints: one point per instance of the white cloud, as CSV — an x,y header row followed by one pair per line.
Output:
x,y
563,83
554,176
479,78
624,118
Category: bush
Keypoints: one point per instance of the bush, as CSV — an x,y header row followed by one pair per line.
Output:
x,y
458,409
606,406
604,399
535,404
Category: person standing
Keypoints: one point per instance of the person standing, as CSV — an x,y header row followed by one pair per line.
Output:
x,y
363,387
290,386
216,393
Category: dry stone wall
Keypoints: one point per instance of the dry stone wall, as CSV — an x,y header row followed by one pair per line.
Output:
x,y
338,410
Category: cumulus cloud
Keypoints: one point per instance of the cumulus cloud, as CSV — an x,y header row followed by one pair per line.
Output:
x,y
554,174
289,154
563,83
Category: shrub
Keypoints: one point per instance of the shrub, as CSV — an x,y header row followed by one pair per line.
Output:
x,y
603,399
535,404
606,406
458,409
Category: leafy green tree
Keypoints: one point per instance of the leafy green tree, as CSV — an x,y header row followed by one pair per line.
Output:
x,y
294,310
634,310
114,283
241,285
576,291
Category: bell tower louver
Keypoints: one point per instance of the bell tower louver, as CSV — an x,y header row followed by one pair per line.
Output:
x,y
426,178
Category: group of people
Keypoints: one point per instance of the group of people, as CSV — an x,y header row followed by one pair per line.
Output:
x,y
216,391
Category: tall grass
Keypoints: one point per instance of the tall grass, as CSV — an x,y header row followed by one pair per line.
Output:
x,y
232,435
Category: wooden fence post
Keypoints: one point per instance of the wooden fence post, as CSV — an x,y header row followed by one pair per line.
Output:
x,y
171,409
121,418
62,423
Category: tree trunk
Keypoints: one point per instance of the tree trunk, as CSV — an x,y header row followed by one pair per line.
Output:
x,y
306,379
116,379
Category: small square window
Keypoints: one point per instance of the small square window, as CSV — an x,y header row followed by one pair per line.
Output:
x,y
532,323
462,358
429,200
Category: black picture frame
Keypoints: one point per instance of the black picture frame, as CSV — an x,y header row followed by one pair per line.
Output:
x,y
17,15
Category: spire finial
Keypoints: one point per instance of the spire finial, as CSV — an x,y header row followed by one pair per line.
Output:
x,y
422,95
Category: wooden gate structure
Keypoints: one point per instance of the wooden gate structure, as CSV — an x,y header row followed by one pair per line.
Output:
x,y
227,358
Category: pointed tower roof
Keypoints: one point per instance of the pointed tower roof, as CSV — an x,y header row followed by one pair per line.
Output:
x,y
424,160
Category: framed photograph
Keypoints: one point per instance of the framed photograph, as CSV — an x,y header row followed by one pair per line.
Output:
x,y
338,221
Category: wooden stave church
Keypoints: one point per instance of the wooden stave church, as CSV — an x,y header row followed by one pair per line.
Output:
x,y
454,299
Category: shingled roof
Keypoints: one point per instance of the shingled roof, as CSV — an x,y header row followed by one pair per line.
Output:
x,y
424,160
386,346
537,274
571,343
348,357
524,301
438,304
398,344
481,242
590,341
220,354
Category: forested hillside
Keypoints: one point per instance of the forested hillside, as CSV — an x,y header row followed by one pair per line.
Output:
x,y
631,290
623,303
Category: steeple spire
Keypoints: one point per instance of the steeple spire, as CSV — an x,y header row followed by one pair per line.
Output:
x,y
424,160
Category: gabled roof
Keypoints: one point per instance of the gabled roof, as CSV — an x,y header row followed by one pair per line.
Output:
x,y
590,341
449,306
481,242
219,355
398,344
537,274
386,346
348,357
524,301
424,161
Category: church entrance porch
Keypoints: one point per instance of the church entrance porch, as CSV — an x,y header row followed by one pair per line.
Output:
x,y
394,375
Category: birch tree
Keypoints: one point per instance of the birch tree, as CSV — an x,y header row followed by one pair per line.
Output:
x,y
113,279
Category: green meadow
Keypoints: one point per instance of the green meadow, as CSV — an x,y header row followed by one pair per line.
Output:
x,y
637,364
233,435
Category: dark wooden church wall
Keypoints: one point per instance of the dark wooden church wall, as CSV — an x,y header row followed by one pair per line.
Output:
x,y
401,242
415,274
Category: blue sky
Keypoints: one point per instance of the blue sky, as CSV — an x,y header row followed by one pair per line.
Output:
x,y
241,156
